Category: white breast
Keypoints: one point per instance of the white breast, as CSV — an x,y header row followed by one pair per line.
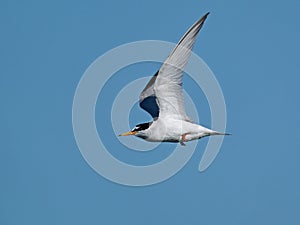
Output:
x,y
170,129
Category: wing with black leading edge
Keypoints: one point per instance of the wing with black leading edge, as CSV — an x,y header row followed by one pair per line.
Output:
x,y
163,93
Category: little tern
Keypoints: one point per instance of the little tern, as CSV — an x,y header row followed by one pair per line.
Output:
x,y
163,98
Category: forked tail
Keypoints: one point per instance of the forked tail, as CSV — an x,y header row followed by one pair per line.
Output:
x,y
219,133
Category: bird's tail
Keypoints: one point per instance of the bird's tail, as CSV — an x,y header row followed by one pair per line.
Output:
x,y
219,133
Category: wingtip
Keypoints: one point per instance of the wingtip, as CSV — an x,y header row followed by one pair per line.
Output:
x,y
206,15
203,18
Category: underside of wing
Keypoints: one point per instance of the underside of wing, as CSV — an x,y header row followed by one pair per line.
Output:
x,y
163,93
168,82
148,99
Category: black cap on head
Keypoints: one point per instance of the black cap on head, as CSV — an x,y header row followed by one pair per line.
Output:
x,y
142,126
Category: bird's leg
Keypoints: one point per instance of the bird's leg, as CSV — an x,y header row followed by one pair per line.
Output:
x,y
183,139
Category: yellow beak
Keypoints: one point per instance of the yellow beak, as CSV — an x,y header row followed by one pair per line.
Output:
x,y
128,133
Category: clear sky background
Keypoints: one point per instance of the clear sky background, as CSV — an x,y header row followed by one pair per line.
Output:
x,y
251,46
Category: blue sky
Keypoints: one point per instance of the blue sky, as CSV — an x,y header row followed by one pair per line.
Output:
x,y
251,46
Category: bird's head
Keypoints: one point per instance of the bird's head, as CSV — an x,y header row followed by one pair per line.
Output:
x,y
138,130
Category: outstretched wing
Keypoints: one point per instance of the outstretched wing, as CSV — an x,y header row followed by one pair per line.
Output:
x,y
163,95
148,99
168,84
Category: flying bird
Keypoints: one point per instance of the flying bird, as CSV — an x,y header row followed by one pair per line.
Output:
x,y
163,98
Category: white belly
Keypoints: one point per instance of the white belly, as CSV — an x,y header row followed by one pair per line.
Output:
x,y
172,130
